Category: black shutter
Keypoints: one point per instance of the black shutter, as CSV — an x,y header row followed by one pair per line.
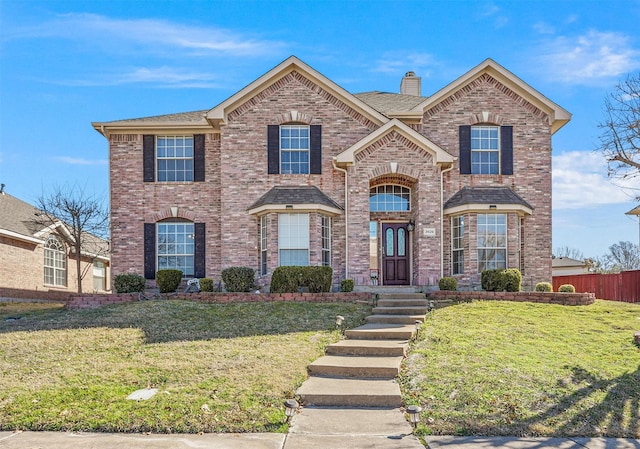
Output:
x,y
149,250
273,149
506,150
198,157
465,149
149,157
200,250
315,149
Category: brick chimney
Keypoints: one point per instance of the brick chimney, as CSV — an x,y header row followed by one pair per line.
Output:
x,y
410,84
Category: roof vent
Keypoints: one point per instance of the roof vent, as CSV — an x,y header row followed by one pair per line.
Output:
x,y
410,84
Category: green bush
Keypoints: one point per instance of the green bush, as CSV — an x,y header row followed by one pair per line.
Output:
x,y
206,285
168,280
448,283
509,280
346,285
290,279
544,287
239,279
128,283
567,288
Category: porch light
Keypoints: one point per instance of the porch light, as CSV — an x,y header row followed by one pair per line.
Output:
x,y
290,408
492,206
414,414
411,226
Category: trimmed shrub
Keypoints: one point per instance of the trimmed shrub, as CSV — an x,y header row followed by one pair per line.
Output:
x,y
346,285
128,283
448,283
501,280
290,279
239,279
206,285
544,287
168,280
567,288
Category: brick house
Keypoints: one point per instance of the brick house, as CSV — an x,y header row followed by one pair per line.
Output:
x,y
390,189
38,258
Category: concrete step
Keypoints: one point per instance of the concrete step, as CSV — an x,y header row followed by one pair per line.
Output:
x,y
382,331
403,303
369,347
395,319
401,296
399,310
332,392
362,367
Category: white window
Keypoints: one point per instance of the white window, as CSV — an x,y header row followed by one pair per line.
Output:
x,y
294,149
55,262
263,245
293,239
176,246
492,242
457,247
389,198
174,155
485,150
326,240
99,276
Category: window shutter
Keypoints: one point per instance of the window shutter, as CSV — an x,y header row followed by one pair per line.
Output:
x,y
149,157
273,149
465,149
149,250
200,250
315,149
506,150
198,157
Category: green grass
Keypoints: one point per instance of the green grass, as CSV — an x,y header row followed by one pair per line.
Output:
x,y
218,368
523,369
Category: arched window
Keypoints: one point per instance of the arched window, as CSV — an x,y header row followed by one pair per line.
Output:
x,y
389,198
55,262
176,246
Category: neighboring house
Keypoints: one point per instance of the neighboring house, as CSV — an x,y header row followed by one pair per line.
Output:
x,y
34,257
566,266
295,170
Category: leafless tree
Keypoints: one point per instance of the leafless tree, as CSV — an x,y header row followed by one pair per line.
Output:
x,y
567,251
623,256
80,218
620,138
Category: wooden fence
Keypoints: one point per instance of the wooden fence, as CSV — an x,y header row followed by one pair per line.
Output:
x,y
623,286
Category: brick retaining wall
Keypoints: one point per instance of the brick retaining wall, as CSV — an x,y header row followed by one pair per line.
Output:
x,y
567,299
17,293
87,301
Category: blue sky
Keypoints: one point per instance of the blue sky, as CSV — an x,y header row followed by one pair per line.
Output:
x,y
64,64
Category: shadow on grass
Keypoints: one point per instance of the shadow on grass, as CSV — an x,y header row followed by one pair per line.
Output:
x,y
585,412
181,320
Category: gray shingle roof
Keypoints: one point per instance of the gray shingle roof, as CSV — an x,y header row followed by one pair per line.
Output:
x,y
385,102
194,117
295,195
17,216
485,195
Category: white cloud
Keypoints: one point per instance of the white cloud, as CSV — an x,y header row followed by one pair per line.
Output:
x,y
163,36
580,181
166,77
589,58
80,161
401,62
543,28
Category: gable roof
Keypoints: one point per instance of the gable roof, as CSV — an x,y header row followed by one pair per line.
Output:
x,y
218,115
387,103
194,120
558,116
440,156
296,198
486,198
559,262
17,219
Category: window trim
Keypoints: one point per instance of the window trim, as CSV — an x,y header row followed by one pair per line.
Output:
x,y
405,193
299,149
263,245
283,233
325,235
158,254
488,151
56,249
481,262
189,174
457,245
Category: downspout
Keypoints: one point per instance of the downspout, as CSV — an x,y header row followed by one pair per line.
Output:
x,y
442,172
346,219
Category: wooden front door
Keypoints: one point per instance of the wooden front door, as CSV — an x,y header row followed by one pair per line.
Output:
x,y
395,254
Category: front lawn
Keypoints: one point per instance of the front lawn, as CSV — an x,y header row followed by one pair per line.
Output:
x,y
218,368
523,369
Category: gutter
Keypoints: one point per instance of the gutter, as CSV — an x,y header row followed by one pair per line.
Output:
x,y
346,219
